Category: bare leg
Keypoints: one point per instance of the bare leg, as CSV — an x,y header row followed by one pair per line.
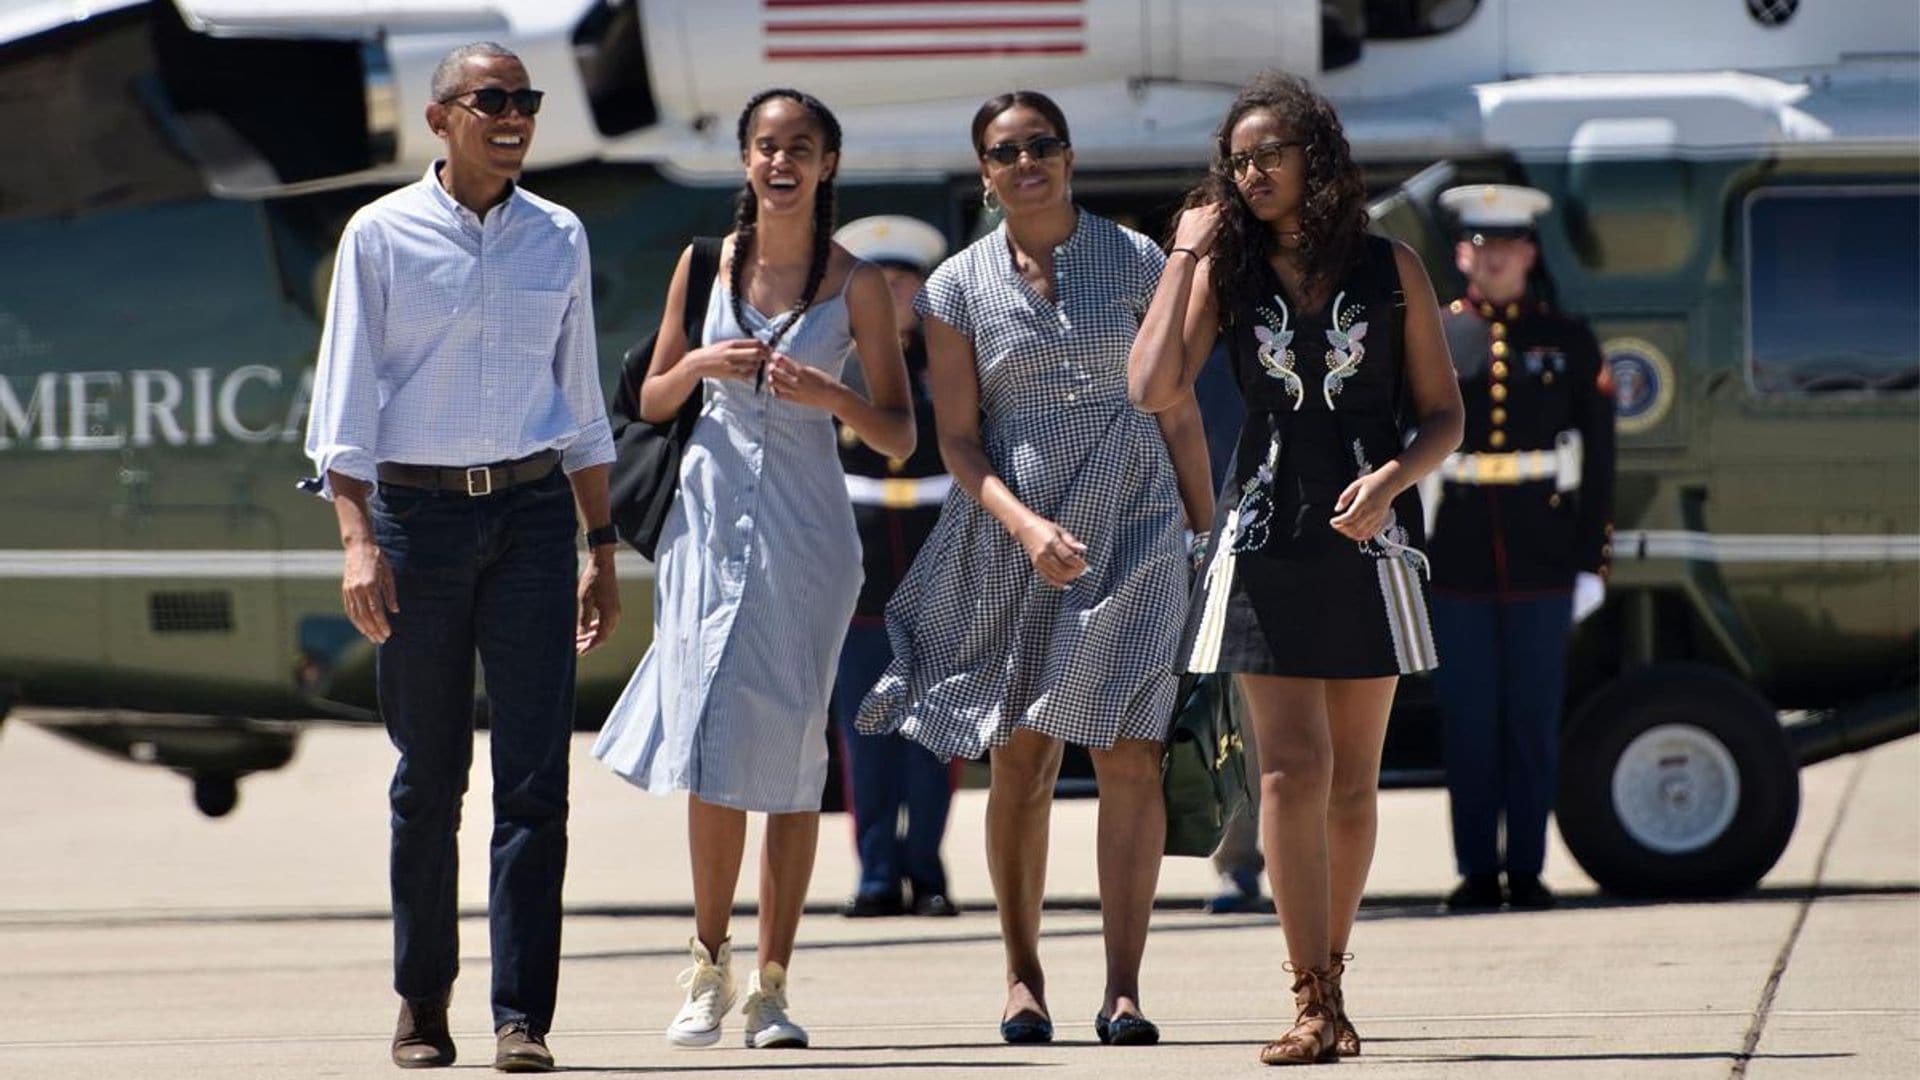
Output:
x,y
1296,771
786,867
717,837
1019,804
1133,833
1357,722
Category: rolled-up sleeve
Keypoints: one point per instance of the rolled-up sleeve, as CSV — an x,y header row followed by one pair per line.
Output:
x,y
576,366
343,424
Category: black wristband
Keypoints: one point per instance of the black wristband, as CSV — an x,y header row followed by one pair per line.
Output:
x,y
1196,255
605,534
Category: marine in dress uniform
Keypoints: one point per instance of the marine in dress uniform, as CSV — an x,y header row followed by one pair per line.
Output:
x,y
896,503
1520,543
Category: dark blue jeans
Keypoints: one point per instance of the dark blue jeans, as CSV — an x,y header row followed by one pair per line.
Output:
x,y
888,772
492,576
1501,685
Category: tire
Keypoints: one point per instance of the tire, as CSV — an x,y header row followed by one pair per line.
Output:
x,y
1677,781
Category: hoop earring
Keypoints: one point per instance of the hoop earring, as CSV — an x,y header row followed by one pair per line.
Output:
x,y
988,200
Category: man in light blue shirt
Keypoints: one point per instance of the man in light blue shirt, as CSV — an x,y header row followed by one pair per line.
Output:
x,y
457,424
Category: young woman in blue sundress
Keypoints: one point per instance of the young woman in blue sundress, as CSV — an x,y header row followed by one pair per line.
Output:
x,y
759,560
1314,589
1047,603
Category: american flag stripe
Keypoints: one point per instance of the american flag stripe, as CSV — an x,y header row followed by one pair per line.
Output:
x,y
801,30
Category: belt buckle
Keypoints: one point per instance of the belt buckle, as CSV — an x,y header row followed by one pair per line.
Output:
x,y
1499,468
485,485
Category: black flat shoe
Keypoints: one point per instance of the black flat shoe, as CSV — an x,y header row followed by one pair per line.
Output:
x,y
1026,1029
1476,892
1126,1031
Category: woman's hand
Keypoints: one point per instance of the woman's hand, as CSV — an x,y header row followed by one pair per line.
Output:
x,y
1361,510
802,384
1056,555
736,359
1197,227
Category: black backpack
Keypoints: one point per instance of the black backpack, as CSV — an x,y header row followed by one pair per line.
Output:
x,y
646,465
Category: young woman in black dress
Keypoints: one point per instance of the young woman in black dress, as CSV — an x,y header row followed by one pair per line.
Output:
x,y
1313,590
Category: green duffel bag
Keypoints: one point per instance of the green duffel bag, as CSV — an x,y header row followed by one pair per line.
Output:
x,y
1203,774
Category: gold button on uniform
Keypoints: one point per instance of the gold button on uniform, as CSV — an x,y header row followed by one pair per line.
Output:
x,y
1499,393
1499,416
1497,440
1498,330
1553,500
1499,349
1547,378
1499,369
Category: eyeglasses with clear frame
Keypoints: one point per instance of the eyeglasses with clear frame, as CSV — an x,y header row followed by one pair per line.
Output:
x,y
1266,157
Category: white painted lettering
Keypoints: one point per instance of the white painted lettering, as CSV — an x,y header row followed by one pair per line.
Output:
x,y
149,410
202,406
38,410
296,422
229,399
86,418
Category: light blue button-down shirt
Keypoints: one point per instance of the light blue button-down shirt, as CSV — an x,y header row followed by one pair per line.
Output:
x,y
455,341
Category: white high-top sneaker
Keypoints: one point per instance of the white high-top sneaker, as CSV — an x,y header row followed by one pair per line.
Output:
x,y
709,984
768,1026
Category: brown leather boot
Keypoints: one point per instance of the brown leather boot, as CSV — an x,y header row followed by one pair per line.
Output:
x,y
1311,1039
1344,1037
420,1036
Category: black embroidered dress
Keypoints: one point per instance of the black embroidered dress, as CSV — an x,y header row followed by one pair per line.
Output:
x,y
1282,593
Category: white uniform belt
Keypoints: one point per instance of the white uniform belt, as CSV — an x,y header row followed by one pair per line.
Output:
x,y
898,492
1560,465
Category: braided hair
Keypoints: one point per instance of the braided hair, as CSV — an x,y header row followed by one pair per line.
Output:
x,y
1333,214
746,210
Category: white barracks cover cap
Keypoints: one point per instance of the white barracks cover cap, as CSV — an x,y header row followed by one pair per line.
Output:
x,y
1493,210
894,238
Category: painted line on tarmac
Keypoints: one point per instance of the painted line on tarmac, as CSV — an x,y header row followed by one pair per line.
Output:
x,y
950,1025
1763,1009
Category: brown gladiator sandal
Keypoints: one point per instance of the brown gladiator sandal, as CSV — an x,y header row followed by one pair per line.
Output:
x,y
1344,1037
1311,1039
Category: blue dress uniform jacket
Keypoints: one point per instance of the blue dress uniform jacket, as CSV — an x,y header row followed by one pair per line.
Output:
x,y
1527,374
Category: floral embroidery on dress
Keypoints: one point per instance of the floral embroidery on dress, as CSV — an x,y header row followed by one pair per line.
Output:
x,y
1276,348
1392,541
1255,512
1347,337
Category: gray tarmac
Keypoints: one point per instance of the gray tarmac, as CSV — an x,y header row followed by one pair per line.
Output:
x,y
138,939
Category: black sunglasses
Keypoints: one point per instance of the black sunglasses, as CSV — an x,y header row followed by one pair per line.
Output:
x,y
1266,157
1043,148
493,101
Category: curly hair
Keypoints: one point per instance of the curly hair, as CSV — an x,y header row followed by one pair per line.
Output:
x,y
746,209
1333,214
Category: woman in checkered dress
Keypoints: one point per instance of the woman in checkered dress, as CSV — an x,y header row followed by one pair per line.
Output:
x,y
1313,593
1046,605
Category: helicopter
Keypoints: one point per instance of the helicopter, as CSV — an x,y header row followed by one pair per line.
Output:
x,y
1735,187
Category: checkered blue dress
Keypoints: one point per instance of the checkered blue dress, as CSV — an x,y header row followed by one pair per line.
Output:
x,y
982,644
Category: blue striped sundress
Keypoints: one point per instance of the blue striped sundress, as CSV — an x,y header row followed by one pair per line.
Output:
x,y
756,578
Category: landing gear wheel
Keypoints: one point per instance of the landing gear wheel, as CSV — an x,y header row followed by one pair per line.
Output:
x,y
1677,780
216,794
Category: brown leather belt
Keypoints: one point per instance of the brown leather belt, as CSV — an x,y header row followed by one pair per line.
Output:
x,y
476,481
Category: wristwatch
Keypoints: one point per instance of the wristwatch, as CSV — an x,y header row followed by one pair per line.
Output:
x,y
605,534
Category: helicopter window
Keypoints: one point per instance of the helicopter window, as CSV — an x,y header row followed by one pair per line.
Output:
x,y
1831,277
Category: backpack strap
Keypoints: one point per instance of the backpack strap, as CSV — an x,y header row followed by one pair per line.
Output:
x,y
702,268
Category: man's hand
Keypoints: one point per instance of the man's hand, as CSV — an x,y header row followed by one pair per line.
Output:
x,y
599,601
367,591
